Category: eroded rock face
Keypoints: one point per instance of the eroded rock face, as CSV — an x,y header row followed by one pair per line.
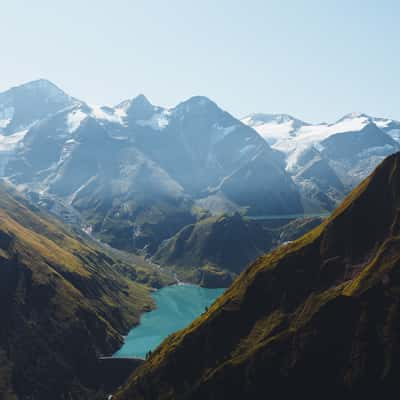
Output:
x,y
316,317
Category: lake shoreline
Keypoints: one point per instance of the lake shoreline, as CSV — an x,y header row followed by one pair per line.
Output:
x,y
177,306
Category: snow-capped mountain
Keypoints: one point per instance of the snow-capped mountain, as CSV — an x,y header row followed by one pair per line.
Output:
x,y
274,127
198,143
22,106
288,134
318,156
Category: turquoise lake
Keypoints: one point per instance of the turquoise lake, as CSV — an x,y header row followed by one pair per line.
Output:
x,y
177,307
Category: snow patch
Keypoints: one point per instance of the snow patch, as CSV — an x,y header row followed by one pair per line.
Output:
x,y
74,120
292,160
114,116
319,147
158,121
312,135
382,122
286,134
74,194
271,131
6,116
70,141
10,143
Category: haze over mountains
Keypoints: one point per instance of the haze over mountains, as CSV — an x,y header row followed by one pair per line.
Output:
x,y
136,174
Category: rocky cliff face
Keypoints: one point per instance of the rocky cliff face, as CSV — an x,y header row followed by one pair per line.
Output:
x,y
316,317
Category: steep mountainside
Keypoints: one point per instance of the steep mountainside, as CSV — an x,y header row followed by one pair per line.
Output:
x,y
316,318
64,301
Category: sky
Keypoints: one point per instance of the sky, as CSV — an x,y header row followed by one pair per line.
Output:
x,y
316,60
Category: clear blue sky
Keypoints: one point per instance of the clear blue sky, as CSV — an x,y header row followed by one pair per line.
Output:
x,y
316,60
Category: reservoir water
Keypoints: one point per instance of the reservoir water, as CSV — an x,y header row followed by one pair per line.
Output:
x,y
177,307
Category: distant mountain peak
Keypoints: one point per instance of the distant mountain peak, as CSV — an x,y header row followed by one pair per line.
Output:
x,y
41,82
138,101
24,105
198,104
137,108
200,100
354,115
141,99
41,85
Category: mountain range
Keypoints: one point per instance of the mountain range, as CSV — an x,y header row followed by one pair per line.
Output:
x,y
135,174
316,318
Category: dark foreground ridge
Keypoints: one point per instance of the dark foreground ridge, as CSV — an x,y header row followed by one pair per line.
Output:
x,y
318,317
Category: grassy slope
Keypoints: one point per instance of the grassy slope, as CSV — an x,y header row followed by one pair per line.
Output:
x,y
63,302
316,317
216,249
